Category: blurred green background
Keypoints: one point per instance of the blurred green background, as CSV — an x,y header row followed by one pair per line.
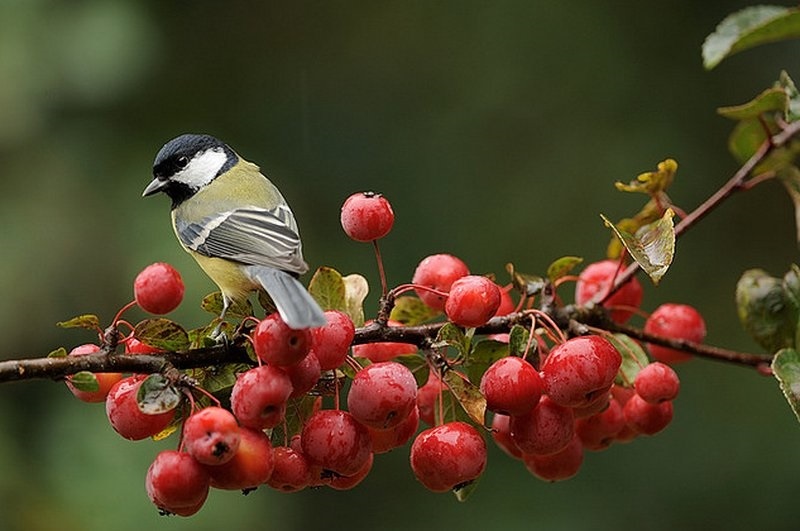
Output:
x,y
495,128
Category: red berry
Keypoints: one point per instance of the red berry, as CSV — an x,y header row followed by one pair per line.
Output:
x,y
438,272
597,279
250,466
448,457
304,375
277,344
501,433
473,300
674,321
394,437
176,483
507,305
105,380
598,431
338,482
336,441
580,370
511,386
331,342
158,288
657,383
647,418
428,397
125,416
559,466
211,435
291,472
259,396
545,429
367,216
377,352
382,395
134,346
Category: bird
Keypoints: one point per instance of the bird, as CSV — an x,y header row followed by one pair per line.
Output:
x,y
236,224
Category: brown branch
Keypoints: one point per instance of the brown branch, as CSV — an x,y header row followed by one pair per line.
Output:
x,y
735,183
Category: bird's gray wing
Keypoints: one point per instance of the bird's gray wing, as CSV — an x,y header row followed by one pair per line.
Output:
x,y
251,236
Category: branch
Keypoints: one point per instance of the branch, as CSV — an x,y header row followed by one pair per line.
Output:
x,y
735,183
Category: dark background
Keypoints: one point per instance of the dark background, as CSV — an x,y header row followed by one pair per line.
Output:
x,y
495,128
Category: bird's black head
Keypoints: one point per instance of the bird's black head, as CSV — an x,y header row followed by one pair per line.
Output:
x,y
188,163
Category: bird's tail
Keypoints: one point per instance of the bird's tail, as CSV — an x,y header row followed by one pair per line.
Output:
x,y
295,305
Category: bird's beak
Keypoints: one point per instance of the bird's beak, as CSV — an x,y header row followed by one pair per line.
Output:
x,y
155,186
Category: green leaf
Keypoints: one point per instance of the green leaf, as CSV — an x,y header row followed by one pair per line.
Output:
x,y
162,334
451,335
790,178
793,108
356,289
747,137
786,368
467,395
212,303
634,359
328,289
747,28
85,381
219,378
562,267
411,311
417,364
766,310
157,395
484,353
529,285
464,491
518,341
298,410
653,246
92,322
60,352
771,100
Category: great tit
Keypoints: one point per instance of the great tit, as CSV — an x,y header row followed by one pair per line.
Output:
x,y
235,224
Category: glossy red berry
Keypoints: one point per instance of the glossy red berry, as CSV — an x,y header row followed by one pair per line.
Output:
x,y
598,431
657,382
367,216
448,456
125,416
382,395
338,482
377,352
259,396
647,418
545,429
211,435
277,344
249,467
501,433
105,380
331,342
304,375
158,288
134,346
507,305
438,272
429,396
597,279
580,370
558,466
336,441
473,300
396,436
176,483
291,472
511,386
674,321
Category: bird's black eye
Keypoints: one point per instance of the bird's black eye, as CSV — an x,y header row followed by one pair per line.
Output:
x,y
182,161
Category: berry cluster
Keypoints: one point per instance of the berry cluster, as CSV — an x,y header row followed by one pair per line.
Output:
x,y
313,409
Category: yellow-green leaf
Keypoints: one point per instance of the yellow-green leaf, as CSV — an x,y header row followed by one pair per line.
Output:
x,y
786,368
771,100
85,381
92,322
328,289
356,289
562,267
652,182
467,395
653,246
411,311
212,303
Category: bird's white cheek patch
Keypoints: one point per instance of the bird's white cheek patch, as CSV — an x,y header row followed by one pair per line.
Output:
x,y
202,169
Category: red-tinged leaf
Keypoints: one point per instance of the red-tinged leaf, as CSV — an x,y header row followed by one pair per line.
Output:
x,y
157,395
467,395
162,334
213,303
